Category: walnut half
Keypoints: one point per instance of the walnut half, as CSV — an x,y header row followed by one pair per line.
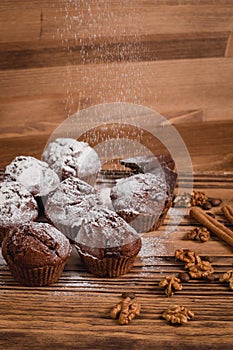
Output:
x,y
227,277
171,284
126,310
201,234
177,314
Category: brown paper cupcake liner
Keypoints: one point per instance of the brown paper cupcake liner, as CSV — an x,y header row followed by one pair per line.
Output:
x,y
107,267
142,223
145,223
162,216
36,277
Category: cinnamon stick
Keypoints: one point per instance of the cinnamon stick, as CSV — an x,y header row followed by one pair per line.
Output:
x,y
228,212
212,224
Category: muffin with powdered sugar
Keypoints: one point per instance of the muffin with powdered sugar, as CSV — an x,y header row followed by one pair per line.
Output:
x,y
35,175
107,245
69,204
69,157
140,200
17,206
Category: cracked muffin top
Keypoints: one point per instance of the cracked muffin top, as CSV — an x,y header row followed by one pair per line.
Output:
x,y
34,245
35,175
17,205
69,157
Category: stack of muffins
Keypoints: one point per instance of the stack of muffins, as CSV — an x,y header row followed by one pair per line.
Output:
x,y
61,186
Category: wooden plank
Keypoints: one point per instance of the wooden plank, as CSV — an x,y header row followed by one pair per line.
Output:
x,y
49,94
210,136
74,312
140,17
193,116
107,49
187,74
160,30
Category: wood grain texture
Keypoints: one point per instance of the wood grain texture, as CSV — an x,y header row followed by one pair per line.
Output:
x,y
75,310
146,17
173,56
57,57
37,100
209,145
105,50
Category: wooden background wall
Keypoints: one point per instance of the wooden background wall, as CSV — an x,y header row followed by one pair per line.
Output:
x,y
58,56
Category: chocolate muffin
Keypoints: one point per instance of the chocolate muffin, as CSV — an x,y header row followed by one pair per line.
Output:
x,y
68,205
107,245
160,165
17,206
140,200
36,253
149,163
69,157
33,174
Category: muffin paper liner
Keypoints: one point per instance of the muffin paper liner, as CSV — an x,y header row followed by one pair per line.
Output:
x,y
162,215
36,277
143,222
107,267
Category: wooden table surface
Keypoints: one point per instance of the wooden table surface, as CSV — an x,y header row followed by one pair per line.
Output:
x,y
74,312
173,56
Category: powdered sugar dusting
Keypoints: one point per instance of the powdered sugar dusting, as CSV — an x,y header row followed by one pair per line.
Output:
x,y
74,158
141,193
33,174
17,205
105,229
71,201
105,197
152,247
151,253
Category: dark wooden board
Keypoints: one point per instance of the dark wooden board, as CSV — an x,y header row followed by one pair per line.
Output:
x,y
74,312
